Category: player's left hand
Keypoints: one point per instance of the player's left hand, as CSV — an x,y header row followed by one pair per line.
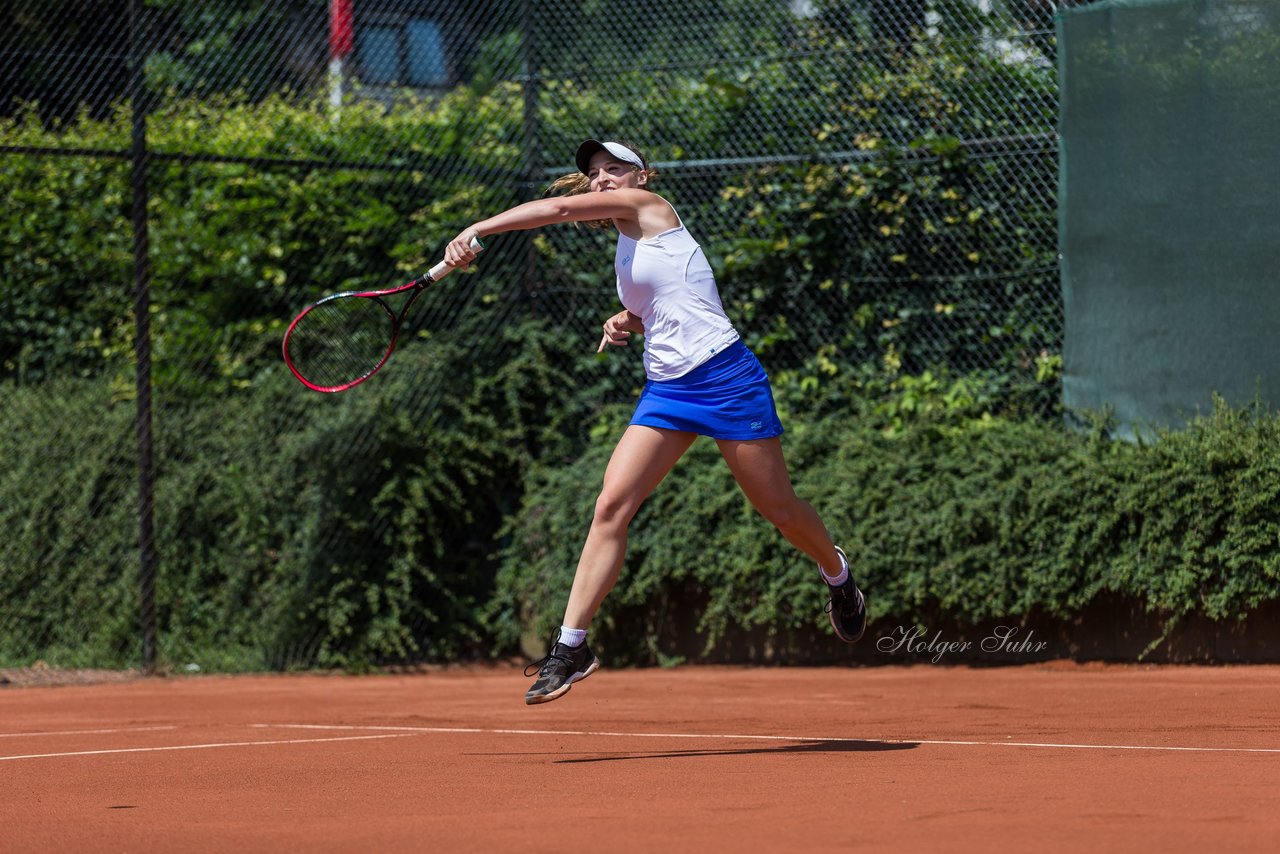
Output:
x,y
616,331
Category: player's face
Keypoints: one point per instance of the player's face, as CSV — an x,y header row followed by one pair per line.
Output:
x,y
606,173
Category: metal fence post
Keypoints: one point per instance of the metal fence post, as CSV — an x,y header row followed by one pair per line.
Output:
x,y
142,340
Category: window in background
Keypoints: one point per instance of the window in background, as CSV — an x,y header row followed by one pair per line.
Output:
x,y
379,55
426,54
406,53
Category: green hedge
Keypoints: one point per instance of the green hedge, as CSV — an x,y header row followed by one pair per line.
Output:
x,y
301,530
951,514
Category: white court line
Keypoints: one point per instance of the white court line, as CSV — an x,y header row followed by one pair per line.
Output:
x,y
84,731
207,746
722,736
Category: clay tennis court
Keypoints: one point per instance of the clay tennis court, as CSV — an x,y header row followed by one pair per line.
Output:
x,y
1041,757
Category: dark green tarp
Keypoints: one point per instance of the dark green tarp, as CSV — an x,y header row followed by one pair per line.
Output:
x,y
1170,206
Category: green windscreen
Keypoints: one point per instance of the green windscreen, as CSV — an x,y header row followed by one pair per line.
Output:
x,y
1170,206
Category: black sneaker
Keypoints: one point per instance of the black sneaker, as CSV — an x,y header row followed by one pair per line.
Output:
x,y
847,608
557,672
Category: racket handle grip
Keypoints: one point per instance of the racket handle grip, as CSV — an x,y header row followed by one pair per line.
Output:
x,y
443,269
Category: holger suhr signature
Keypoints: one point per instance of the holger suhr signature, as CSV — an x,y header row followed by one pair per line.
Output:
x,y
1004,639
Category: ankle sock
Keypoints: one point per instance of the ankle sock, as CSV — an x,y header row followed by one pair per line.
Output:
x,y
572,637
839,579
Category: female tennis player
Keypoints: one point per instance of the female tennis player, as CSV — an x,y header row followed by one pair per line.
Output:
x,y
701,380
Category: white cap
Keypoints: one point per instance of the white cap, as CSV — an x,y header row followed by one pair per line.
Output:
x,y
616,150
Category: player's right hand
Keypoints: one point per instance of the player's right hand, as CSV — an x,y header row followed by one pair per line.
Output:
x,y
458,253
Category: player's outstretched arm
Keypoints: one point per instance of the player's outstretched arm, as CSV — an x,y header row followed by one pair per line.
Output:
x,y
625,204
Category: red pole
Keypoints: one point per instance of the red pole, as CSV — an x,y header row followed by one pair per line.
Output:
x,y
341,29
341,41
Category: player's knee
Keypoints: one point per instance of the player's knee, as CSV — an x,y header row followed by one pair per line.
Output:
x,y
784,514
613,510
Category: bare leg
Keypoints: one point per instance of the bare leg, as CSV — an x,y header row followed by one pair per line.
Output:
x,y
761,472
640,461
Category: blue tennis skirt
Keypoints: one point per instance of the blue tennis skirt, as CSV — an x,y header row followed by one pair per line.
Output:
x,y
726,397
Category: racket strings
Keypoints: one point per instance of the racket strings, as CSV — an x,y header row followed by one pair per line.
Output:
x,y
341,340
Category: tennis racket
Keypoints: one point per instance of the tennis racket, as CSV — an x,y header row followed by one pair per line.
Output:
x,y
342,340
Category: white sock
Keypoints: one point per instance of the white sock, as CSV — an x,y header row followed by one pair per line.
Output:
x,y
572,637
842,577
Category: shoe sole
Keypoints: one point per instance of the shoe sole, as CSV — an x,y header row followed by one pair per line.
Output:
x,y
563,689
848,639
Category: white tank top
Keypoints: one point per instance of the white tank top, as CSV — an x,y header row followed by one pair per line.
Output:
x,y
667,281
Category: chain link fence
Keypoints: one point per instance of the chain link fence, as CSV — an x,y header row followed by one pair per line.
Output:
x,y
874,181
